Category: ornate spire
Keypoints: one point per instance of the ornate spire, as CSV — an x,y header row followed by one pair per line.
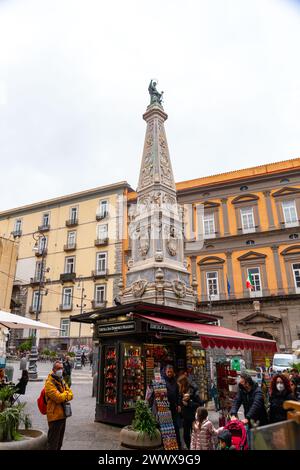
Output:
x,y
156,169
157,270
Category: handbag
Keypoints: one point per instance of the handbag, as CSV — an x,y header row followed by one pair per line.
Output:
x,y
67,409
66,406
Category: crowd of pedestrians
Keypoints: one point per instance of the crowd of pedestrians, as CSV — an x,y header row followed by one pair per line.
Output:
x,y
189,411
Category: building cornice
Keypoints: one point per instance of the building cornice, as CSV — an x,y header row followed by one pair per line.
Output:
x,y
70,198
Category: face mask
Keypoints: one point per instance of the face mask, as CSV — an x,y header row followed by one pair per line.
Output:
x,y
280,387
59,373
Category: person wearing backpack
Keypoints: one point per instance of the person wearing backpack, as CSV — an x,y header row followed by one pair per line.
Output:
x,y
57,394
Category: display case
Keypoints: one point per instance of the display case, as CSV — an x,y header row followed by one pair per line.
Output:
x,y
196,357
110,375
157,356
133,381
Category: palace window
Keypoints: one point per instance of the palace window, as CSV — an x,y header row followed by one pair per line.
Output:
x,y
257,289
209,226
296,272
212,285
247,219
290,213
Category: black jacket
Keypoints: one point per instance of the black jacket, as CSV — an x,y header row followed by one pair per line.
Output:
x,y
253,403
188,411
173,393
67,368
277,413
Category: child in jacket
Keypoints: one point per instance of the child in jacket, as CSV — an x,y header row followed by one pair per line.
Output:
x,y
203,433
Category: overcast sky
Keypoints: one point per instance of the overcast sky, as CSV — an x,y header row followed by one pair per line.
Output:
x,y
74,78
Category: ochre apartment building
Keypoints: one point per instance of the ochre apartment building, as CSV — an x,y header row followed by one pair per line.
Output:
x,y
250,227
8,256
69,259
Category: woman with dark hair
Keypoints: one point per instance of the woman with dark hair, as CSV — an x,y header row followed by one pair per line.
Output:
x,y
190,401
280,391
23,381
295,389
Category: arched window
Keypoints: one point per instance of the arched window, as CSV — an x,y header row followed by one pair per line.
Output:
x,y
263,334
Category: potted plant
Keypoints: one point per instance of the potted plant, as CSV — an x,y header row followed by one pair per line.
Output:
x,y
143,432
12,415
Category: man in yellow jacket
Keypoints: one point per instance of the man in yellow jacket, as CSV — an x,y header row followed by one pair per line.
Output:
x,y
57,392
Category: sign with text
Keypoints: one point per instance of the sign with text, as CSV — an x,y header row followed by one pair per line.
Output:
x,y
123,327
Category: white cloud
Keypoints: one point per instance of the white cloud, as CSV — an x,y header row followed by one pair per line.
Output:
x,y
75,78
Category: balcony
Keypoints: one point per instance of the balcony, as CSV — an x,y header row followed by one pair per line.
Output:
x,y
99,274
71,222
16,233
34,309
70,247
68,277
97,304
295,223
44,228
37,280
101,241
65,308
39,252
101,215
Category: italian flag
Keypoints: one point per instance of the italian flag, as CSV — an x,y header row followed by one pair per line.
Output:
x,y
250,282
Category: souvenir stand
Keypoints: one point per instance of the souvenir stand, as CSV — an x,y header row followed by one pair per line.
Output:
x,y
130,349
138,337
227,386
196,358
164,415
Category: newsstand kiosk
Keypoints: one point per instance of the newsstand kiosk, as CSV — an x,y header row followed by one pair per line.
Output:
x,y
130,348
138,337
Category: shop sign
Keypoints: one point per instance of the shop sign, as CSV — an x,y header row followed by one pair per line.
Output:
x,y
158,327
116,328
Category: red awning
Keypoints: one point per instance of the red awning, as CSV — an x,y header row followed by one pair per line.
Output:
x,y
217,336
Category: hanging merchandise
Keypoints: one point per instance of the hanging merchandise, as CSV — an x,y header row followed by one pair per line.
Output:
x,y
196,358
227,386
164,415
110,385
133,376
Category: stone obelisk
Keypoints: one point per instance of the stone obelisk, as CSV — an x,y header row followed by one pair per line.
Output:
x,y
157,270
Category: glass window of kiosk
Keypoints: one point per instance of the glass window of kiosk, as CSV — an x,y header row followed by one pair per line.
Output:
x,y
132,376
110,375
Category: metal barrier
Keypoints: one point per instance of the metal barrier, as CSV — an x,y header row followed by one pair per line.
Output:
x,y
284,435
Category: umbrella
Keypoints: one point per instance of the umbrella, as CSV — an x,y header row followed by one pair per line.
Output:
x,y
10,320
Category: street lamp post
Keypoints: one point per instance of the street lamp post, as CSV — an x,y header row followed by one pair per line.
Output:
x,y
81,306
40,240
